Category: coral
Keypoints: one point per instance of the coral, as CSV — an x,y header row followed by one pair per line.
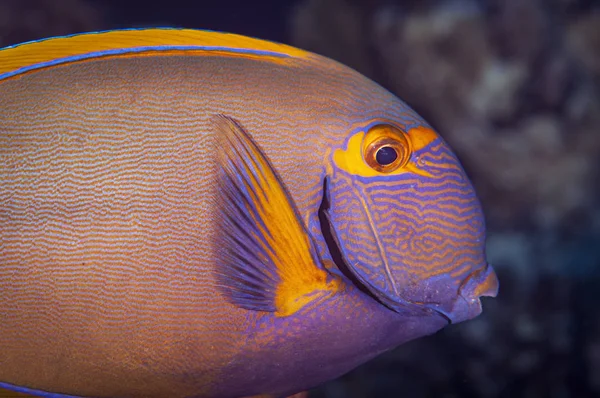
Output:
x,y
583,38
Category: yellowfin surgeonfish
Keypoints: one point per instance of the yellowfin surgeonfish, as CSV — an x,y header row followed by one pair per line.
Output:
x,y
198,214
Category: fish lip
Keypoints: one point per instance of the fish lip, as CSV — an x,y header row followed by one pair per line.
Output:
x,y
482,282
443,314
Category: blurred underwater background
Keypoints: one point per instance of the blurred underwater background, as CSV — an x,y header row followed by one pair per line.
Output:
x,y
514,87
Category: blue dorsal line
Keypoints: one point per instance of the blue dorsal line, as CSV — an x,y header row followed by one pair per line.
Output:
x,y
121,51
31,391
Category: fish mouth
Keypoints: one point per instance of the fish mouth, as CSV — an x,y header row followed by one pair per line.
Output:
x,y
482,282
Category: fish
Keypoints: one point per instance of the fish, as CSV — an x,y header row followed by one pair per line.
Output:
x,y
190,213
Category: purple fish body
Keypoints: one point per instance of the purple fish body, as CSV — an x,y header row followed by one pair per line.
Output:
x,y
198,214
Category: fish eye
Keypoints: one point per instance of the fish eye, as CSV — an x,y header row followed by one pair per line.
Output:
x,y
386,155
386,148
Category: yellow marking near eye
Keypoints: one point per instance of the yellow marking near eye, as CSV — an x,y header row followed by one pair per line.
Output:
x,y
421,136
352,161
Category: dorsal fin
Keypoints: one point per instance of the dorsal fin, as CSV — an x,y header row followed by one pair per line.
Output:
x,y
25,57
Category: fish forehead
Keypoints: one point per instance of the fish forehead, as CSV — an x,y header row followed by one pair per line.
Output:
x,y
135,130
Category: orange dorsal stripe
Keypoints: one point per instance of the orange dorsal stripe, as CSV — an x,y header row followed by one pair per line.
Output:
x,y
29,56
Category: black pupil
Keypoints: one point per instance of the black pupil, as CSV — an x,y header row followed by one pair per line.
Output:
x,y
386,155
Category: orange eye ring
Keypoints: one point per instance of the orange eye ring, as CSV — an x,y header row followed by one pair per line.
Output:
x,y
386,148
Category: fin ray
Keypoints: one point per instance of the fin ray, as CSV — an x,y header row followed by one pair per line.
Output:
x,y
268,260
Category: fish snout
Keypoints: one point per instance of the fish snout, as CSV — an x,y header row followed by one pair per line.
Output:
x,y
480,283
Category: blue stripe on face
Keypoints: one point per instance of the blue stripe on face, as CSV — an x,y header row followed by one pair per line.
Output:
x,y
412,240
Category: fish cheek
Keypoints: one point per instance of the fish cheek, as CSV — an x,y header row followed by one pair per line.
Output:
x,y
352,243
332,241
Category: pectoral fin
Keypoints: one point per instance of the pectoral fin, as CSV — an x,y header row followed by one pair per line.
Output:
x,y
266,259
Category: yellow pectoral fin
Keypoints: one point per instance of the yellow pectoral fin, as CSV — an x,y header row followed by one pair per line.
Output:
x,y
268,261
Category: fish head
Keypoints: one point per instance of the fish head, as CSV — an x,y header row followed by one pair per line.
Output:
x,y
406,221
